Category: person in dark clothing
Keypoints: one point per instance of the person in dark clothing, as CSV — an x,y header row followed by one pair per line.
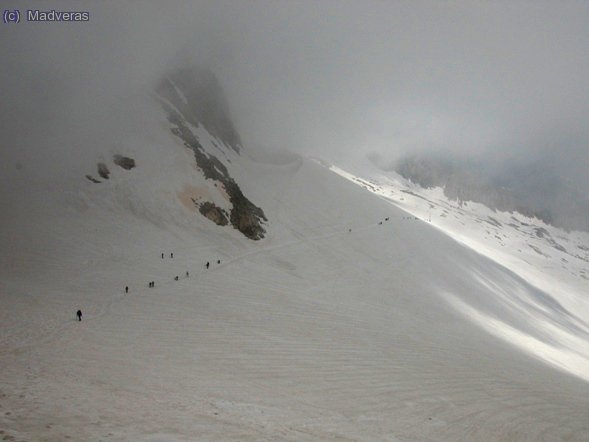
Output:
x,y
175,278
79,315
207,265
218,261
187,274
162,256
127,289
171,255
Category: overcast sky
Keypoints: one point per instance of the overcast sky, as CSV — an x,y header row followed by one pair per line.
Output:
x,y
507,79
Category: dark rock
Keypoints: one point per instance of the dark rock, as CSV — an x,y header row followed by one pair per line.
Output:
x,y
205,102
103,170
245,216
124,162
94,180
214,213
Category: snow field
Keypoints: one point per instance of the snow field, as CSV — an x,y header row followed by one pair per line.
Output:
x,y
314,333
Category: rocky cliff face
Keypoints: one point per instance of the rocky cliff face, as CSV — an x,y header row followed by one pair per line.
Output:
x,y
195,97
466,182
198,97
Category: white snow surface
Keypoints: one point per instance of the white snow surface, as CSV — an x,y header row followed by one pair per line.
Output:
x,y
385,332
552,260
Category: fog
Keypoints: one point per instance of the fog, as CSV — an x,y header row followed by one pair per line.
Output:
x,y
503,81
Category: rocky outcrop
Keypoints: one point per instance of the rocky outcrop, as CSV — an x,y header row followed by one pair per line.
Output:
x,y
245,216
94,180
464,181
248,224
103,170
198,97
195,97
124,162
214,213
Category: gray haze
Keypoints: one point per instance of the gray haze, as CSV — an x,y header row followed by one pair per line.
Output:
x,y
506,82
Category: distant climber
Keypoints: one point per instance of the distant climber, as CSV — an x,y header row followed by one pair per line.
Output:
x,y
207,264
387,218
126,289
79,315
187,274
171,255
350,230
380,223
175,278
218,261
162,256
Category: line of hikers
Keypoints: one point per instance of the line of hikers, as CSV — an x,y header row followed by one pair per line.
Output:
x,y
151,284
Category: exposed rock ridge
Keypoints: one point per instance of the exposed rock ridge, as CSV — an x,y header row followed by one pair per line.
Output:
x,y
197,95
245,216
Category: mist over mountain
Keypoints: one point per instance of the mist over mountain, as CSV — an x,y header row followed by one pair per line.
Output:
x,y
197,94
327,78
186,255
537,188
192,97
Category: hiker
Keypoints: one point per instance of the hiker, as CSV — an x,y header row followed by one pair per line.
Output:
x,y
218,261
380,223
162,256
79,315
175,278
207,265
126,289
387,218
171,255
187,274
350,230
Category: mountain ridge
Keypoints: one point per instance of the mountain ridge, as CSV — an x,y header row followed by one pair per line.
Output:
x,y
474,180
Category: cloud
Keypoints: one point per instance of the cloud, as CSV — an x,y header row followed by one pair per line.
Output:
x,y
335,78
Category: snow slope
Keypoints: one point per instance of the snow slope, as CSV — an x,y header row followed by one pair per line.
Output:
x,y
315,332
552,260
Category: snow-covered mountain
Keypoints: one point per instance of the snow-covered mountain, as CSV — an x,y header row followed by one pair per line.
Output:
x,y
551,259
540,188
198,115
326,312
